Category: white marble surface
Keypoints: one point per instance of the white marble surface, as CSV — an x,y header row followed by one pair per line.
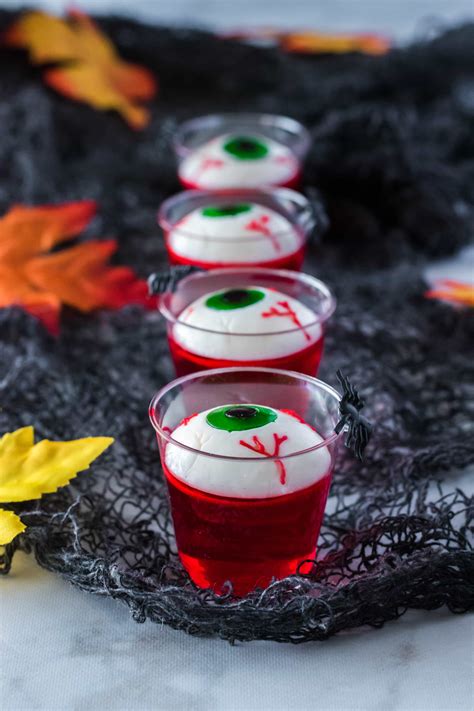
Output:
x,y
63,649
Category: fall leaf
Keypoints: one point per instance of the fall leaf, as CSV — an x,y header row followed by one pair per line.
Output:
x,y
79,276
313,42
455,291
10,526
90,69
28,231
15,290
29,470
319,43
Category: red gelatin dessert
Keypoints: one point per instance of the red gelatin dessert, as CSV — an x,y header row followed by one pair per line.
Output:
x,y
247,477
304,361
237,228
249,513
246,322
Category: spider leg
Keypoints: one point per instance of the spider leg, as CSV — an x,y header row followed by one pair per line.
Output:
x,y
351,438
361,440
365,432
344,382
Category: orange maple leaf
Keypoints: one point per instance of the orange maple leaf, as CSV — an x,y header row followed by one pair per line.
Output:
x,y
321,43
90,69
27,231
313,42
454,291
80,276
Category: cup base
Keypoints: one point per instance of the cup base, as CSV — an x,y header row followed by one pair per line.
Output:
x,y
215,573
246,541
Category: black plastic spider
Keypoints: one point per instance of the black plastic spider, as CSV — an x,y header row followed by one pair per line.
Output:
x,y
159,282
360,428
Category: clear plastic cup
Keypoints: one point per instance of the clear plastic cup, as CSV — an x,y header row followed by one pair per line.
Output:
x,y
272,229
291,346
247,538
240,150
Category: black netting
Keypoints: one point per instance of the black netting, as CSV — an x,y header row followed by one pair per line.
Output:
x,y
394,158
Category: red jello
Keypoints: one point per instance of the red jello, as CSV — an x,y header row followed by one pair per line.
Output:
x,y
282,326
237,228
248,455
304,361
293,183
292,262
247,541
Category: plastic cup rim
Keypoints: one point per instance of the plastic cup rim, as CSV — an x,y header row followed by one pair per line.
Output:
x,y
217,371
292,125
311,281
306,226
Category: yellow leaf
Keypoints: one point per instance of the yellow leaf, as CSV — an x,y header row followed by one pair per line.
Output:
x,y
10,526
49,38
28,470
88,83
88,67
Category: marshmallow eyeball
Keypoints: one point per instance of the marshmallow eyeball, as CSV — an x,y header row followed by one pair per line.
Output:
x,y
246,323
239,160
234,233
250,433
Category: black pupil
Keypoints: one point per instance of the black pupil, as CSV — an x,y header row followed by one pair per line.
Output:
x,y
246,145
234,296
241,413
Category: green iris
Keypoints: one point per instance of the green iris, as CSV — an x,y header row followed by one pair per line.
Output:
x,y
236,418
234,299
246,148
225,210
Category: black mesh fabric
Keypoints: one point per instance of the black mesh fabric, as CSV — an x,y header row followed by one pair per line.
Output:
x,y
393,156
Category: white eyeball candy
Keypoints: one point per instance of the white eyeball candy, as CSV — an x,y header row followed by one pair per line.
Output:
x,y
247,431
232,160
251,323
237,233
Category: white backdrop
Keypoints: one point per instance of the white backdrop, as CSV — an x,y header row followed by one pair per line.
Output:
x,y
397,18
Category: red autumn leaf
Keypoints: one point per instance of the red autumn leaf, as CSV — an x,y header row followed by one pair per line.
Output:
x,y
90,69
78,276
15,290
456,292
81,277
